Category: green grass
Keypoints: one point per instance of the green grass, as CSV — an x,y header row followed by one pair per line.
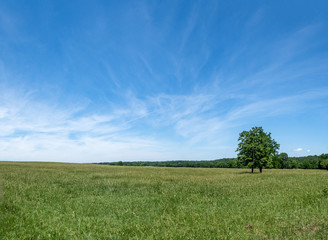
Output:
x,y
81,201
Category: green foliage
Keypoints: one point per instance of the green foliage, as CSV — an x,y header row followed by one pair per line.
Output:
x,y
278,161
323,161
283,159
256,148
88,201
219,163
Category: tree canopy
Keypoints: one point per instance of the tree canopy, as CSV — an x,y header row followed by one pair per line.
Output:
x,y
323,161
256,148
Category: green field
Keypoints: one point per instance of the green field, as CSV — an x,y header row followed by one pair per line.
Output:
x,y
84,201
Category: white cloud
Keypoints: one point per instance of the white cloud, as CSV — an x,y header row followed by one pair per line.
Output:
x,y
298,149
308,150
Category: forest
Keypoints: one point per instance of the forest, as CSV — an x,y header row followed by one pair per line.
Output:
x,y
279,161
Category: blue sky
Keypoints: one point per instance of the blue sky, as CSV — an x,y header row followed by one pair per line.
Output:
x,y
92,81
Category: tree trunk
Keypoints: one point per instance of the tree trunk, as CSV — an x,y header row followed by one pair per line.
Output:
x,y
260,169
252,169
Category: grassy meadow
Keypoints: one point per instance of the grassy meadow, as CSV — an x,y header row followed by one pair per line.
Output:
x,y
84,201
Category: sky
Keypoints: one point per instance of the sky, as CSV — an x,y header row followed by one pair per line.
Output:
x,y
96,81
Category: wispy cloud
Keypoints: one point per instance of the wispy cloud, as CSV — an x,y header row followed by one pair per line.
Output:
x,y
277,106
189,26
278,61
31,130
37,131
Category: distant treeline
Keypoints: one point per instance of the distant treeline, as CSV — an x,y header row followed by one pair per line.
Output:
x,y
280,161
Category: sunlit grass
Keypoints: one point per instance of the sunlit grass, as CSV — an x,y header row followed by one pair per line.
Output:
x,y
80,201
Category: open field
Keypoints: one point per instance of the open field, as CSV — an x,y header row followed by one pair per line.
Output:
x,y
81,201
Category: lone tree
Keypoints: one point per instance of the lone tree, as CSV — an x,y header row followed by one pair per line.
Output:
x,y
256,148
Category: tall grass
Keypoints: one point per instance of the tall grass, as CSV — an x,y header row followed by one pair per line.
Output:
x,y
80,201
